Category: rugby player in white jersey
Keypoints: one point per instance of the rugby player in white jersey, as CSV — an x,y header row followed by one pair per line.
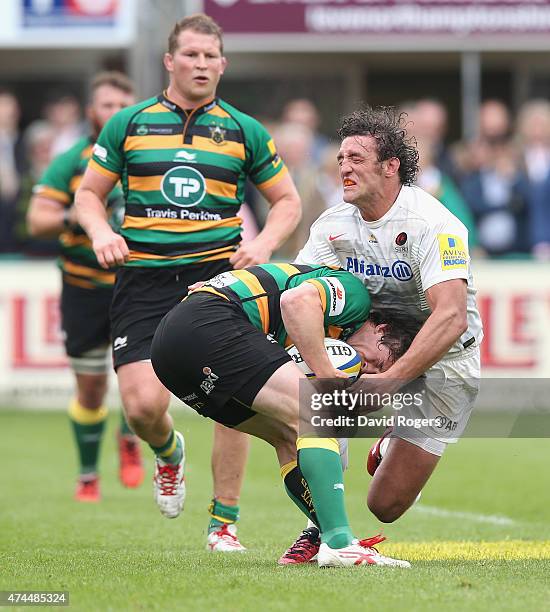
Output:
x,y
412,255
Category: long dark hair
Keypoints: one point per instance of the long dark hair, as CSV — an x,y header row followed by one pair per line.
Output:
x,y
399,333
387,126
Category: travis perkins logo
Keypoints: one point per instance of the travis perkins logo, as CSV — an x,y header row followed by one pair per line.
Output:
x,y
207,385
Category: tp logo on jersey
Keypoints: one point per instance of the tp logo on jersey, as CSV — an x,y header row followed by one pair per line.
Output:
x,y
452,252
183,186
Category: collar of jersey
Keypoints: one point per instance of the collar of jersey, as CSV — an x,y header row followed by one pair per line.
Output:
x,y
391,212
204,108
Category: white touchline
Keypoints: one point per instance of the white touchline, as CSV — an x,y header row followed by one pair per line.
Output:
x,y
493,519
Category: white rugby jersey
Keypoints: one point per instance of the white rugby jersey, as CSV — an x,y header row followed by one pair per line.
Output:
x,y
415,245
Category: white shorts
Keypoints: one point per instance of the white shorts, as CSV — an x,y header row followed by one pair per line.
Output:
x,y
452,385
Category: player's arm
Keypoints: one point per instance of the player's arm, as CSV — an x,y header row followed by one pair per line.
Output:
x,y
441,330
304,320
47,218
49,209
109,247
284,215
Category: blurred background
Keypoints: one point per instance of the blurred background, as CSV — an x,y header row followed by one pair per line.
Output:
x,y
473,78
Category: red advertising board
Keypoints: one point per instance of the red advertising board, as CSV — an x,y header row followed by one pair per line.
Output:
x,y
417,17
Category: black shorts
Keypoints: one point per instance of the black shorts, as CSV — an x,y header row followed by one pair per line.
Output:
x,y
85,318
210,356
142,296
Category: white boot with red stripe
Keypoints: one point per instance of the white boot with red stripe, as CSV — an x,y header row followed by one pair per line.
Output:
x,y
169,484
224,539
359,552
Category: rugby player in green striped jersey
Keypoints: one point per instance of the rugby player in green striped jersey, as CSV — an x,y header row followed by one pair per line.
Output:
x,y
183,158
87,289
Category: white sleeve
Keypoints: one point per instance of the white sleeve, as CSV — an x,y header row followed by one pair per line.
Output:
x,y
318,249
443,253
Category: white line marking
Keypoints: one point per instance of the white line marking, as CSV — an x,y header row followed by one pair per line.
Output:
x,y
493,519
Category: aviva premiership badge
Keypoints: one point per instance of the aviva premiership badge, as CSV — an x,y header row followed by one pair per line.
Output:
x,y
452,252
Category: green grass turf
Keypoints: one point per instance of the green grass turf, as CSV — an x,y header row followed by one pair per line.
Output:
x,y
121,554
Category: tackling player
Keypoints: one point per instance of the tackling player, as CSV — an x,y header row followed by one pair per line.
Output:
x,y
87,289
239,374
412,255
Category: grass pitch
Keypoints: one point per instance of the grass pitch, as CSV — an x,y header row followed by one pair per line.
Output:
x,y
479,539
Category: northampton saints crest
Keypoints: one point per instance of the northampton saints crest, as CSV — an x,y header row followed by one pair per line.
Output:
x,y
217,134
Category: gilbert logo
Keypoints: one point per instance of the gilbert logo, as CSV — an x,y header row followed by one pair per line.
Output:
x,y
183,186
120,342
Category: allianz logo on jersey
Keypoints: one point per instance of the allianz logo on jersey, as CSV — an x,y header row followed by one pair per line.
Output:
x,y
183,186
400,270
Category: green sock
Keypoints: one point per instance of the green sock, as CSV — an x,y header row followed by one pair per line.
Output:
x,y
88,426
171,451
322,469
124,427
297,489
221,514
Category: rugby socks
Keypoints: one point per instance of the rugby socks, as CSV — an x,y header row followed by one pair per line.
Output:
x,y
298,491
221,514
319,461
124,427
88,426
171,452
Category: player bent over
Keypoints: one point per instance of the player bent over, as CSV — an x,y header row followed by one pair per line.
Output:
x,y
239,374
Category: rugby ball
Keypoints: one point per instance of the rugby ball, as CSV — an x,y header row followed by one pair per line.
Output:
x,y
342,356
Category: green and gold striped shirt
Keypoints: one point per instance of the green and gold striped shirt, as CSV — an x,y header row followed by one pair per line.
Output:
x,y
344,298
59,183
183,174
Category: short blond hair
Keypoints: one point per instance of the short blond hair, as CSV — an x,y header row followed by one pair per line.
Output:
x,y
114,79
199,22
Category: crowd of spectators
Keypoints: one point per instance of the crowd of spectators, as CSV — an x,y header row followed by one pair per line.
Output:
x,y
497,184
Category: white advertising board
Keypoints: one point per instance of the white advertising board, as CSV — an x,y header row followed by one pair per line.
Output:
x,y
514,300
67,23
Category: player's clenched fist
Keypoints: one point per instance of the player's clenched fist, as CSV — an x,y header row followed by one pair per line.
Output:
x,y
110,249
250,254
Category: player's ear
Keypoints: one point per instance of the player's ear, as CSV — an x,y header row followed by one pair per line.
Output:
x,y
224,64
391,166
381,329
89,112
168,61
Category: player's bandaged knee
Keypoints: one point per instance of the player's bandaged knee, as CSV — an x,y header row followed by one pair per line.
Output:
x,y
297,489
94,361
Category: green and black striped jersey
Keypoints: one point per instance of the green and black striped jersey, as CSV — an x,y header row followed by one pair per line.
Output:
x,y
344,298
183,174
59,183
